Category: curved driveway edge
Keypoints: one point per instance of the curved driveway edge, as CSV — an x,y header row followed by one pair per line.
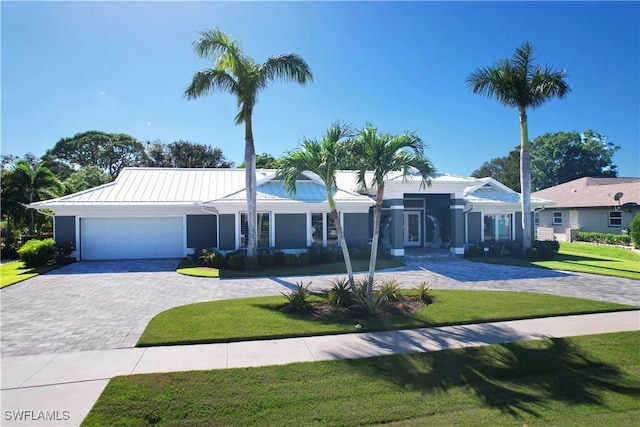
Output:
x,y
102,305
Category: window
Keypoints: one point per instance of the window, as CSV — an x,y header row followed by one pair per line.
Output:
x,y
497,227
264,230
323,225
536,218
557,218
615,219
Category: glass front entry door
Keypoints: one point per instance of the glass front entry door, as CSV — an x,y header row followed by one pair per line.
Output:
x,y
412,229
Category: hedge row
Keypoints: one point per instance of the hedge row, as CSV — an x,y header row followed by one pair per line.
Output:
x,y
540,250
604,238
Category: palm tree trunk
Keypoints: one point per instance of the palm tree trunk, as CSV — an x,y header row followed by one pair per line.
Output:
x,y
377,211
250,182
525,182
342,240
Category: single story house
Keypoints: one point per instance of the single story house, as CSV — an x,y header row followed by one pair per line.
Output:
x,y
602,205
169,213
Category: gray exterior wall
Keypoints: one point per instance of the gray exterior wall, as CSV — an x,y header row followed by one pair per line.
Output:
x,y
291,231
474,227
65,229
594,220
356,229
227,240
517,226
202,231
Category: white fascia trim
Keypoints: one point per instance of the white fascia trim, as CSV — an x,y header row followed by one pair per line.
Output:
x,y
397,252
396,207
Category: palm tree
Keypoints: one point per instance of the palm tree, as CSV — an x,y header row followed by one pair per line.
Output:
x,y
322,158
32,183
235,73
519,83
380,155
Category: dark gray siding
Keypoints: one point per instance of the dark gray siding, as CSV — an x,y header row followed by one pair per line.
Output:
x,y
356,229
227,232
65,229
474,226
291,231
202,231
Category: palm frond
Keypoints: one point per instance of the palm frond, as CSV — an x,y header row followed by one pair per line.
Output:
x,y
285,67
208,81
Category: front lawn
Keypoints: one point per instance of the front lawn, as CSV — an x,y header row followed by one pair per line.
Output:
x,y
584,258
581,381
191,268
259,318
14,272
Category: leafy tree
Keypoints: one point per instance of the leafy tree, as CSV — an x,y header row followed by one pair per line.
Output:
x,y
504,169
265,161
322,158
561,157
27,183
519,83
158,155
383,153
236,73
85,178
635,230
112,152
185,154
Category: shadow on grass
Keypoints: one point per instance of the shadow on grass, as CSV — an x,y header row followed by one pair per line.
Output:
x,y
516,378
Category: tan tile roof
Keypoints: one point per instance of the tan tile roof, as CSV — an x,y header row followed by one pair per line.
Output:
x,y
592,192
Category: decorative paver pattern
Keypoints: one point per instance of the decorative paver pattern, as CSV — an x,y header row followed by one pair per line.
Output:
x,y
96,305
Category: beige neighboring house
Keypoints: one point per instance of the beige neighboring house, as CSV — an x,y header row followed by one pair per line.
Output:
x,y
602,205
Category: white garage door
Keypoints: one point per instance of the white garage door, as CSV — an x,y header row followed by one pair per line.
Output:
x,y
131,238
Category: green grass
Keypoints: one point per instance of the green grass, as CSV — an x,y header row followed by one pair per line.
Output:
x,y
259,318
581,381
15,272
191,268
585,258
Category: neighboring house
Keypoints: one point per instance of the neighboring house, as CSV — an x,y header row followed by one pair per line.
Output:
x,y
169,213
603,205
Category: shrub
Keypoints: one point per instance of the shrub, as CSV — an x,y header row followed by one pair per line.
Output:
x,y
371,302
635,230
314,255
251,263
304,259
62,251
290,260
211,258
362,252
278,258
236,262
265,259
36,253
424,292
546,249
297,299
604,238
391,290
340,294
328,255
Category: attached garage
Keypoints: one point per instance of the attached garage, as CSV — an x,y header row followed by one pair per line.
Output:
x,y
131,238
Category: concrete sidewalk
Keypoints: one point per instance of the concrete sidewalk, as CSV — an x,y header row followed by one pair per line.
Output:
x,y
59,389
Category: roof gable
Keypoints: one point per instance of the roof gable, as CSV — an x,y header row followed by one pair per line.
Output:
x,y
592,192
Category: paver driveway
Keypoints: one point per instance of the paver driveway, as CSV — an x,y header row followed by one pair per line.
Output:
x,y
107,304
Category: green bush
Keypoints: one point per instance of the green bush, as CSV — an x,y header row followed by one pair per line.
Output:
x,y
304,259
278,258
391,290
251,263
546,249
314,255
212,258
604,238
236,262
340,294
635,230
265,259
62,252
424,292
36,253
297,299
290,260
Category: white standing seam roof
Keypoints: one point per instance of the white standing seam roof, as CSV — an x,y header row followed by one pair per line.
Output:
x,y
166,186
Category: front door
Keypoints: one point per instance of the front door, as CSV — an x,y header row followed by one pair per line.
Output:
x,y
412,229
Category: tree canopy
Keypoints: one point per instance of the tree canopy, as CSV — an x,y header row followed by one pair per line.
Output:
x,y
556,158
185,154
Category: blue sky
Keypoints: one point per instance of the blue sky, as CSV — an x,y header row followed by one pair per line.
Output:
x,y
69,67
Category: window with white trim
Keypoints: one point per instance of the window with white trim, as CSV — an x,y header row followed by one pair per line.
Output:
x,y
497,227
615,219
557,218
323,230
264,229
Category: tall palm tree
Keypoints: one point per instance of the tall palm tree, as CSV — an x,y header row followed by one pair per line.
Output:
x,y
322,158
519,83
235,73
33,183
381,154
